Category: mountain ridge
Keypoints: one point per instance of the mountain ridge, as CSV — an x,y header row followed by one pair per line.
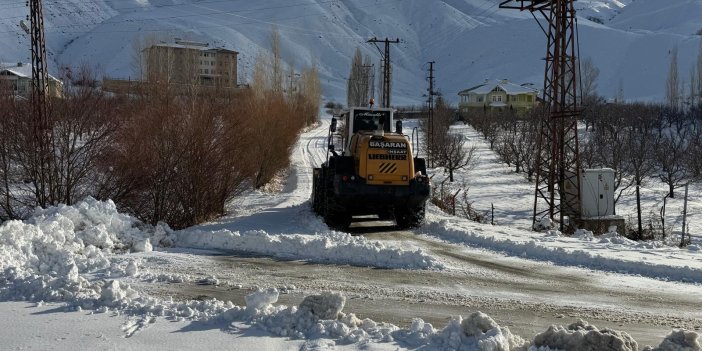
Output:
x,y
628,40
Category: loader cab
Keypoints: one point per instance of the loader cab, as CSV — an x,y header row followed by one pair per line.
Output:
x,y
369,120
358,121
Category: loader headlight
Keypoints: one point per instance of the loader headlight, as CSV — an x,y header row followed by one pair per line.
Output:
x,y
404,177
370,177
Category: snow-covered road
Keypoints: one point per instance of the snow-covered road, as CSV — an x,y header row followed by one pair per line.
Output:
x,y
527,295
526,281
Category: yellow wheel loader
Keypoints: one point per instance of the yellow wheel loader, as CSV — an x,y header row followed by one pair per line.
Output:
x,y
376,172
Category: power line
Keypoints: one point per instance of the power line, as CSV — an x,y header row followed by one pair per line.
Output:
x,y
386,67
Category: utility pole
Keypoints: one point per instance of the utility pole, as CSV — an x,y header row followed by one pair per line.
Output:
x,y
40,118
292,76
430,102
558,165
386,67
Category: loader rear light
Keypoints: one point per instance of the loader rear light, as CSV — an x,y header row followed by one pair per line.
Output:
x,y
370,177
404,177
345,178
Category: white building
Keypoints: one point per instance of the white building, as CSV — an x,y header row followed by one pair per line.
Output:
x,y
17,79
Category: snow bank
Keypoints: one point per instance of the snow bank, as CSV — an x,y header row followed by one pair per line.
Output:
x,y
48,256
477,332
326,247
69,254
581,336
525,246
321,316
679,340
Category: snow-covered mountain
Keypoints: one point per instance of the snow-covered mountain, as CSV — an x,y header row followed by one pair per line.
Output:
x,y
628,40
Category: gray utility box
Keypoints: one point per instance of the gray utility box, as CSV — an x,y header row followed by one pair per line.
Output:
x,y
597,192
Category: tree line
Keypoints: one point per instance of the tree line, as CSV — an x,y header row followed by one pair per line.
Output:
x,y
642,142
161,153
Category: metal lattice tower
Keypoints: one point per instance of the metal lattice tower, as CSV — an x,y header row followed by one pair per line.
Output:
x,y
39,66
558,165
386,68
40,110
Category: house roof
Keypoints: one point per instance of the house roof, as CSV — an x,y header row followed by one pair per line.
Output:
x,y
20,69
23,70
507,86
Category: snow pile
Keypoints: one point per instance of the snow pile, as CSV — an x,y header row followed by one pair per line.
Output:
x,y
325,306
261,299
553,247
328,247
321,316
581,336
679,340
477,332
613,238
49,256
317,316
46,257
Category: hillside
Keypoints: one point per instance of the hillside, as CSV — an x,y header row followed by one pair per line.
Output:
x,y
470,40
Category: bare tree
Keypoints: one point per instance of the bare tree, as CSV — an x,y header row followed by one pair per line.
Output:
x,y
698,77
357,84
588,79
55,163
81,136
450,151
310,93
619,93
610,139
639,164
670,157
276,64
13,112
693,159
693,98
672,86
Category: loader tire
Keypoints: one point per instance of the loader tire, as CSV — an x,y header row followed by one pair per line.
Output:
x,y
409,217
336,217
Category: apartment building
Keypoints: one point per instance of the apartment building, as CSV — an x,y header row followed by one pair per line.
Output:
x,y
189,62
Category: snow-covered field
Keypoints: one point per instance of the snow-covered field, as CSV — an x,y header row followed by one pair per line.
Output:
x,y
470,40
90,273
490,183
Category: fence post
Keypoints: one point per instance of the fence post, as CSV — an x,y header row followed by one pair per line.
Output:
x,y
492,214
682,240
665,198
453,201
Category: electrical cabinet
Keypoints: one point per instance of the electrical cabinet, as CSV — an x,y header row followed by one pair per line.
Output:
x,y
597,192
